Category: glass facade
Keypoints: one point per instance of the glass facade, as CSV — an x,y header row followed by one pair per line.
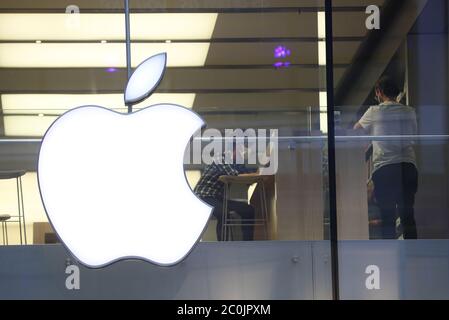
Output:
x,y
354,208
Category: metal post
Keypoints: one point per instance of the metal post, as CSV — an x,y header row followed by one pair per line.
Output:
x,y
23,211
264,208
6,232
223,215
19,207
331,150
128,46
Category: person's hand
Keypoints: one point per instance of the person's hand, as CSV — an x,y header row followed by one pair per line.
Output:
x,y
358,126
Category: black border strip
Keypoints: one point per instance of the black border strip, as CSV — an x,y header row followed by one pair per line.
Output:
x,y
331,151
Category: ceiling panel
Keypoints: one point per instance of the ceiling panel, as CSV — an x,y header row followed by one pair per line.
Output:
x,y
267,25
106,55
175,79
97,27
56,104
232,71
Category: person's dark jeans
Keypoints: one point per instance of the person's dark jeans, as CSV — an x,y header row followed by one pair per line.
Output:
x,y
395,187
245,211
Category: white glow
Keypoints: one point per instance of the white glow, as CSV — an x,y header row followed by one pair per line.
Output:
x,y
102,28
323,99
323,111
173,26
100,55
321,23
114,187
87,26
34,210
59,103
33,204
322,61
56,104
322,53
21,126
145,78
193,176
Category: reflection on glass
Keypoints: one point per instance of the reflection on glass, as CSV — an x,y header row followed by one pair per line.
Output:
x,y
240,66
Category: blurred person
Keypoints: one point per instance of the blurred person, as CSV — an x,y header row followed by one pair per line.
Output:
x,y
395,174
211,190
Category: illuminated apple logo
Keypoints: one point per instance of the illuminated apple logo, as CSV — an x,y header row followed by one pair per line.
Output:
x,y
113,185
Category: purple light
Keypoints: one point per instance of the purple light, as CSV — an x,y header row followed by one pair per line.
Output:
x,y
281,64
281,52
111,70
278,64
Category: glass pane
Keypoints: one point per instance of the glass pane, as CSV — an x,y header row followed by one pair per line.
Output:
x,y
390,77
53,58
257,70
253,69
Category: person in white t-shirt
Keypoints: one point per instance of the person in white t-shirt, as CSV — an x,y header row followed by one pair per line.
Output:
x,y
395,174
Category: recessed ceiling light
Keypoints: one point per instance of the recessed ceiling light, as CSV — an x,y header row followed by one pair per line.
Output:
x,y
165,27
322,60
98,55
321,25
323,111
59,103
94,26
16,108
321,22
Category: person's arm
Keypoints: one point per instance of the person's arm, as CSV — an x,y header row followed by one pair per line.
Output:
x,y
358,126
229,170
239,170
366,121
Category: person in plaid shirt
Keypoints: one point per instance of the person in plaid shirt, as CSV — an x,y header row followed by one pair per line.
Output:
x,y
211,191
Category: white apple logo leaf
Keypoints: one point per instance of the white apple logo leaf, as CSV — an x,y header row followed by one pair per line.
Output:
x,y
145,79
113,185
